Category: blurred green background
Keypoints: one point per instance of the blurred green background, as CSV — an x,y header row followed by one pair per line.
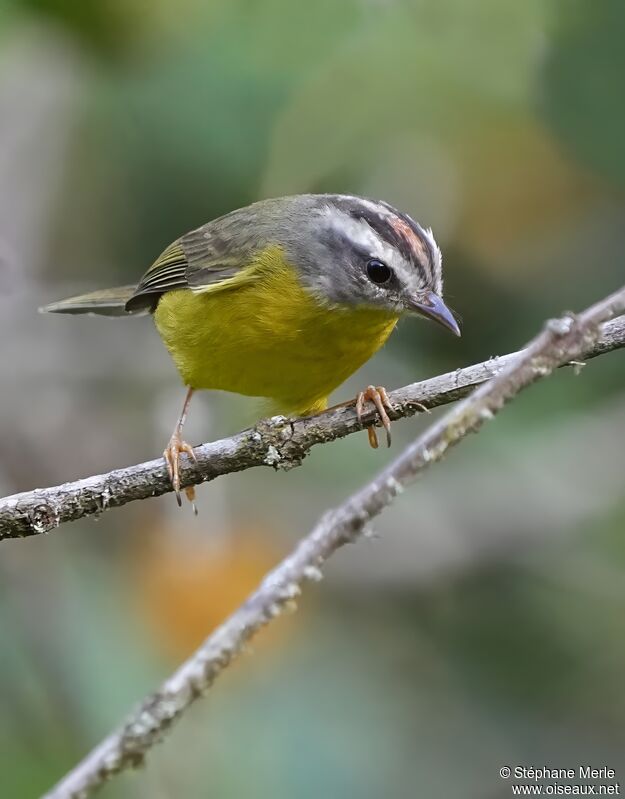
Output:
x,y
486,628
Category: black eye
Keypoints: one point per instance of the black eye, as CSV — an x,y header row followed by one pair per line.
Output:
x,y
378,272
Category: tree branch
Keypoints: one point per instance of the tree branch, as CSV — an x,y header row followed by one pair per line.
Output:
x,y
561,341
277,442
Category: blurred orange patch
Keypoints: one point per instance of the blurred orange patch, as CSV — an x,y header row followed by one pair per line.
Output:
x,y
186,587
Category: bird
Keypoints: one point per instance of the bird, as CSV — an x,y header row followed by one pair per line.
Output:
x,y
283,299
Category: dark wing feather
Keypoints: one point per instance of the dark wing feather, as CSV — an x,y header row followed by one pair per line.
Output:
x,y
168,272
212,258
216,256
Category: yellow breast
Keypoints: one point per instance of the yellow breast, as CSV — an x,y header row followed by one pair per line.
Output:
x,y
268,337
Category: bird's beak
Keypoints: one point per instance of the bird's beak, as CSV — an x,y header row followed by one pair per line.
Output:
x,y
432,307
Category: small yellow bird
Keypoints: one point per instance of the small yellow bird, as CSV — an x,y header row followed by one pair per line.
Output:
x,y
284,300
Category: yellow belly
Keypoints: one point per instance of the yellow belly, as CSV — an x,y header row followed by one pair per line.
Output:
x,y
268,338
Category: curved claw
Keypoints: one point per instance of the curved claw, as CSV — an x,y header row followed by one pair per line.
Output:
x,y
378,396
172,455
190,494
373,437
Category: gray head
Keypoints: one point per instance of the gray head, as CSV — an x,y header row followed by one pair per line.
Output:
x,y
366,253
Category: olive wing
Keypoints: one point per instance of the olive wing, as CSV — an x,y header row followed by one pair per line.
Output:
x,y
202,260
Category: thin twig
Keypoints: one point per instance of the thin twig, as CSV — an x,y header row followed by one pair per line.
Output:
x,y
562,340
277,442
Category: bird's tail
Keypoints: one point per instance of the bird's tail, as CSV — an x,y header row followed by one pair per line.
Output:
x,y
107,302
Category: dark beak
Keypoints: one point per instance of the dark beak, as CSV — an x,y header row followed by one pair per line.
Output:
x,y
432,307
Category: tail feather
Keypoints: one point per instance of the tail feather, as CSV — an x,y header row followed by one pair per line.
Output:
x,y
107,302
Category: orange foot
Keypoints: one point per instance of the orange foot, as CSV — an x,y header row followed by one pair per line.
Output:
x,y
378,396
172,454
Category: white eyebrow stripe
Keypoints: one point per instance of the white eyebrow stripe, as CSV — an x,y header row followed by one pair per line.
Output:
x,y
424,272
360,233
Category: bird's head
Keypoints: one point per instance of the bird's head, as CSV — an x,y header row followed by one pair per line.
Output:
x,y
357,252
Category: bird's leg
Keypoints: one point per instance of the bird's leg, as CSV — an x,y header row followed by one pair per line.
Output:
x,y
173,451
378,396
